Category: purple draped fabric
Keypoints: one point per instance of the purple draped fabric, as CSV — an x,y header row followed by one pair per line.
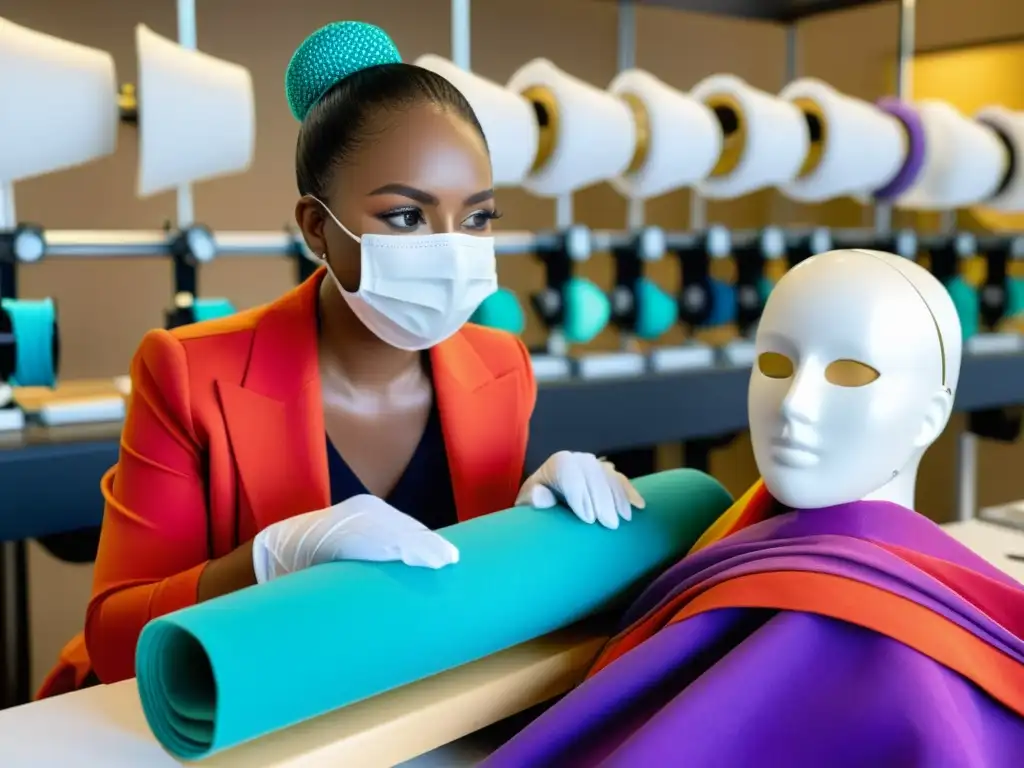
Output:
x,y
733,687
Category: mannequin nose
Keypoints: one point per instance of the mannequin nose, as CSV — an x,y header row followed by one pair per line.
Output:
x,y
803,400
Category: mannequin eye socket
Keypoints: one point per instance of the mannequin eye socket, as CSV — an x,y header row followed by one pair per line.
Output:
x,y
850,373
775,365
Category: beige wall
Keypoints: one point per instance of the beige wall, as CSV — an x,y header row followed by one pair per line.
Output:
x,y
107,306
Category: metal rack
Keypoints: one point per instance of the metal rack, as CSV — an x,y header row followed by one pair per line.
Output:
x,y
569,415
114,244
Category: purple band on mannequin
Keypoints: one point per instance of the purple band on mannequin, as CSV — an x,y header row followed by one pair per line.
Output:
x,y
914,161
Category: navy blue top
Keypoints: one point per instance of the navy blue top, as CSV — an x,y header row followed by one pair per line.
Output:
x,y
424,491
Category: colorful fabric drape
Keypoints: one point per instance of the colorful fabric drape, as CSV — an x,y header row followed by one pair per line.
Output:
x,y
858,635
752,507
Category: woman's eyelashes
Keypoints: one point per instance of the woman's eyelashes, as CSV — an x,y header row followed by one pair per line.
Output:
x,y
403,219
481,219
408,220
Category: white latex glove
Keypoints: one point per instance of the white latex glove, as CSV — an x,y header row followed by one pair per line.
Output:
x,y
360,528
589,486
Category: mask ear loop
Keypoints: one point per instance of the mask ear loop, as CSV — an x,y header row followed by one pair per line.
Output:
x,y
341,226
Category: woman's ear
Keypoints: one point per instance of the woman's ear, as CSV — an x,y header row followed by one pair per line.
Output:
x,y
309,215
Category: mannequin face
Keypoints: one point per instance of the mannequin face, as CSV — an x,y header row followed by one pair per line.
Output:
x,y
847,389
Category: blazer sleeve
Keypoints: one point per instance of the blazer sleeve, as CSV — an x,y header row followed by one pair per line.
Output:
x,y
154,541
529,381
529,397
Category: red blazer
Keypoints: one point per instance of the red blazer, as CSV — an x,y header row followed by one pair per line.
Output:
x,y
224,436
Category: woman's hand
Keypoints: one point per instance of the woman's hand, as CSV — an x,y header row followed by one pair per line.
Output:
x,y
360,528
589,486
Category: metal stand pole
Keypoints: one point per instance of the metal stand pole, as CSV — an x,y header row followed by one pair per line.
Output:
x,y
627,60
187,39
8,221
639,461
905,47
792,53
967,443
15,656
15,650
462,33
966,476
8,215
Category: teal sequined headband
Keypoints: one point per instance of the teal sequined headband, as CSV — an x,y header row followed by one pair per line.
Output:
x,y
331,54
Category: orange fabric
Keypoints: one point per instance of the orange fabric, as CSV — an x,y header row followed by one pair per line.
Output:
x,y
999,601
224,436
749,509
887,614
866,606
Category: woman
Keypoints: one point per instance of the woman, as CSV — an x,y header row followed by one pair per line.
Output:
x,y
353,416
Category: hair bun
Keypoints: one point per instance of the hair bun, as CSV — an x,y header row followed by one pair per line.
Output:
x,y
331,54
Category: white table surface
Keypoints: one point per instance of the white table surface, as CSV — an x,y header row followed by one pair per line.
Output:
x,y
103,727
992,542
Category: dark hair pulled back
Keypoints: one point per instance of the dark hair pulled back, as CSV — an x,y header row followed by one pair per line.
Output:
x,y
336,126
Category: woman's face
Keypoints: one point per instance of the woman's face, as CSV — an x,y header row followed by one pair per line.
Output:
x,y
418,171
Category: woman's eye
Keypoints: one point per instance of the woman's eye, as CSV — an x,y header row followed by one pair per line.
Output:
x,y
480,219
403,219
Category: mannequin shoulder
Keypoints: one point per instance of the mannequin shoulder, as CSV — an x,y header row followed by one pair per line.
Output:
x,y
500,350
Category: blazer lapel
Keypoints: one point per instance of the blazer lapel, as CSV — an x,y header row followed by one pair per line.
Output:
x,y
483,425
275,417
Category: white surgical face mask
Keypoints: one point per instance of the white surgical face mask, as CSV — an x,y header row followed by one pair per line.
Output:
x,y
415,291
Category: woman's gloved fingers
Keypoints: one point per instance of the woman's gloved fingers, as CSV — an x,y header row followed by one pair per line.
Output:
x,y
450,550
635,499
632,493
571,483
429,550
599,491
534,494
622,506
541,497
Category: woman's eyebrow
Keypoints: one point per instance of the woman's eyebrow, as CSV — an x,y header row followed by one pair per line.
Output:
x,y
406,191
426,198
479,197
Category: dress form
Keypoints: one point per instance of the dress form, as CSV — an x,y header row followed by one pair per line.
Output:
x,y
858,357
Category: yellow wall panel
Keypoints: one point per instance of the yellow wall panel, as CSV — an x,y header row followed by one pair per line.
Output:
x,y
971,79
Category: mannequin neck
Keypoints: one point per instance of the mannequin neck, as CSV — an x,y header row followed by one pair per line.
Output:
x,y
899,490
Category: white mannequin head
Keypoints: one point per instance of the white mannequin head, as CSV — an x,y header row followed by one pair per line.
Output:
x,y
858,357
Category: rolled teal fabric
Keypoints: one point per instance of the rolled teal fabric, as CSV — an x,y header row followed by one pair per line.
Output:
x,y
221,673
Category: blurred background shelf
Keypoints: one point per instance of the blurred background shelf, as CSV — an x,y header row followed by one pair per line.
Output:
x,y
785,11
49,475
